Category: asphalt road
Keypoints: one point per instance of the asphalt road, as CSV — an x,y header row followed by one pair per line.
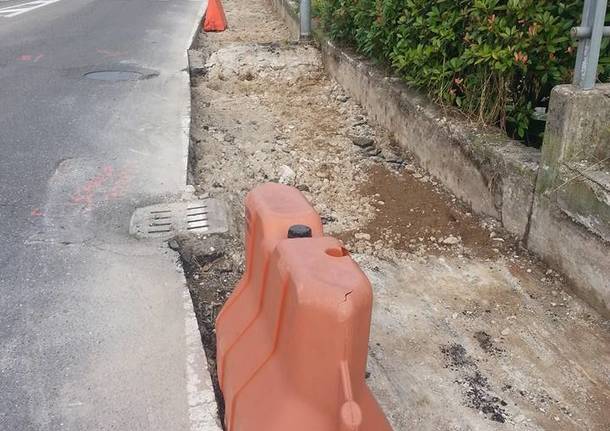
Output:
x,y
96,328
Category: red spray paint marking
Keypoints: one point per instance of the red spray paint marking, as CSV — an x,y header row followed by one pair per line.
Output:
x,y
118,188
108,184
36,212
28,58
86,193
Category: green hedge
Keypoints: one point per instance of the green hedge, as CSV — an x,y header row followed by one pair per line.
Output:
x,y
494,59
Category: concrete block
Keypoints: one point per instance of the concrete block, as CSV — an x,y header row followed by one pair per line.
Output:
x,y
575,166
570,223
578,129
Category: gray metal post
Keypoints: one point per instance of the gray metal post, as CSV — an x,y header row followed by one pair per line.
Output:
x,y
590,35
305,12
583,44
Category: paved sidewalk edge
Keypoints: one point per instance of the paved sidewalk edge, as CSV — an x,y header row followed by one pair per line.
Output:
x,y
202,402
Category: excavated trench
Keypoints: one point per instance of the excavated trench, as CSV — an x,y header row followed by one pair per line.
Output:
x,y
469,331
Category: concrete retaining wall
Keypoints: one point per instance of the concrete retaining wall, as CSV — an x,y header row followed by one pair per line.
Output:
x,y
495,175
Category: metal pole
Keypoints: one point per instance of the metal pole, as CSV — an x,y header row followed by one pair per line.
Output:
x,y
590,35
583,44
305,10
596,41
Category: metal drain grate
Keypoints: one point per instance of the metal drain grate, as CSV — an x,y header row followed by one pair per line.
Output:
x,y
197,218
166,220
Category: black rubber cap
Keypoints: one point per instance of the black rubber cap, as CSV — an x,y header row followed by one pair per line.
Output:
x,y
299,231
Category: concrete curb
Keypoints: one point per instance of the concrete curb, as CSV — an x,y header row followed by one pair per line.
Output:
x,y
190,63
199,18
201,397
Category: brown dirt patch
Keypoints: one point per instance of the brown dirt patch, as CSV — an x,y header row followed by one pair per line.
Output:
x,y
409,212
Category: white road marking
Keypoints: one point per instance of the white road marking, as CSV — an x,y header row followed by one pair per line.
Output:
x,y
11,11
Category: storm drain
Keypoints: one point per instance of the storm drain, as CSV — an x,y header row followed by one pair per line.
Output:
x,y
164,221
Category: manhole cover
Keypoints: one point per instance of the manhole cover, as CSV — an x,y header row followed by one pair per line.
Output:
x,y
115,75
166,220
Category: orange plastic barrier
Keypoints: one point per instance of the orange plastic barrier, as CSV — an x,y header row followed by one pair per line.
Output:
x,y
292,339
215,19
271,209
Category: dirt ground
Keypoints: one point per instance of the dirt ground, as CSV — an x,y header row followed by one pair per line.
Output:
x,y
469,332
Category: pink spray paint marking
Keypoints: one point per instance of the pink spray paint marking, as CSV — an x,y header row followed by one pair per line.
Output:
x,y
120,185
108,184
30,58
36,212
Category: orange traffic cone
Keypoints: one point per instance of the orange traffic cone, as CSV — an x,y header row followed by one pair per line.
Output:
x,y
215,19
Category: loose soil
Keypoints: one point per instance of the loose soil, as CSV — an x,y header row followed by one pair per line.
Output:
x,y
469,331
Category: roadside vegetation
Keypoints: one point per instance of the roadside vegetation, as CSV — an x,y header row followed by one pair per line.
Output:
x,y
495,60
